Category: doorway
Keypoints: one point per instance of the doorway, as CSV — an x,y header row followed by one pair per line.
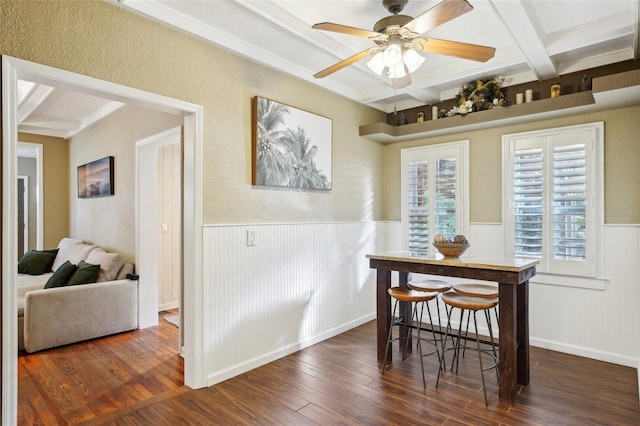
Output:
x,y
14,69
30,164
158,263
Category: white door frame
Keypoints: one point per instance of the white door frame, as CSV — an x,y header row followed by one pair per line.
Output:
x,y
147,229
38,148
14,69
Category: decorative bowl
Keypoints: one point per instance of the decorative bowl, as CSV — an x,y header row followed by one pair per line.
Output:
x,y
451,249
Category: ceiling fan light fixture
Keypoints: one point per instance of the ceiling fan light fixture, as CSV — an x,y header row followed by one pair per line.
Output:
x,y
376,64
412,59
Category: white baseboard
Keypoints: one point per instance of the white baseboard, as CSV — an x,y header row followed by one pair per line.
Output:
x,y
584,352
243,367
167,306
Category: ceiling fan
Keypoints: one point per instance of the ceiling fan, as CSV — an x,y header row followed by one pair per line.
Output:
x,y
398,41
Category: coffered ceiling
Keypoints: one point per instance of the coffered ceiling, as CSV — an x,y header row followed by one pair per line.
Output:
x,y
534,40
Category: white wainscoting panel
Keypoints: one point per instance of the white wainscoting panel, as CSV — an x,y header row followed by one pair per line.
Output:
x,y
599,324
303,283
300,284
577,319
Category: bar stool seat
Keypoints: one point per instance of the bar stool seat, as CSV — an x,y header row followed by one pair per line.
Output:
x,y
417,299
486,291
461,301
430,285
473,305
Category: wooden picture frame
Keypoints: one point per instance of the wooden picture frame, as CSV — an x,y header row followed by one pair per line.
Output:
x,y
95,179
292,148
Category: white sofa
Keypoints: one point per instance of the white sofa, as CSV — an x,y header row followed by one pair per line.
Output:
x,y
62,315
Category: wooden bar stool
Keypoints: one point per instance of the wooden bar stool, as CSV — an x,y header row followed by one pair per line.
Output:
x,y
486,291
431,285
473,305
417,299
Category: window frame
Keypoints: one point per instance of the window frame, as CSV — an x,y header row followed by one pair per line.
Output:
x,y
457,149
593,266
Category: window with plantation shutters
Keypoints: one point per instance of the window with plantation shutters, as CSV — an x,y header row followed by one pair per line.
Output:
x,y
434,182
528,202
554,198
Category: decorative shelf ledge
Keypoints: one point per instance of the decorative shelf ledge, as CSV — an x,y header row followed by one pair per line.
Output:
x,y
614,91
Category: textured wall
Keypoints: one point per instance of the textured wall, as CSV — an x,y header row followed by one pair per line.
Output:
x,y
110,221
622,167
102,40
55,179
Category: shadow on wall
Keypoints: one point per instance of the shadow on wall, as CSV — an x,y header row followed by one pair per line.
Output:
x,y
259,335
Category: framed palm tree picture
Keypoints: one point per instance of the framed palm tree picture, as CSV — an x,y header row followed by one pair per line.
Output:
x,y
291,147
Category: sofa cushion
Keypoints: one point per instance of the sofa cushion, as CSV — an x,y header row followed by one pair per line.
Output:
x,y
110,263
86,273
37,262
63,248
61,276
72,250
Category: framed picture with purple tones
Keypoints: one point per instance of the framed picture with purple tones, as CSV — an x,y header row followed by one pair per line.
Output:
x,y
95,179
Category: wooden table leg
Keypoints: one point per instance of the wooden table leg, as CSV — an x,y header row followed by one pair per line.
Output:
x,y
508,332
383,312
405,311
523,334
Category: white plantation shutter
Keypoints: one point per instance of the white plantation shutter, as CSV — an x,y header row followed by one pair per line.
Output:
x,y
446,191
433,194
528,202
569,202
554,200
418,187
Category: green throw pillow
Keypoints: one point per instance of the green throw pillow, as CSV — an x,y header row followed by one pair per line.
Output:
x,y
61,276
37,262
86,273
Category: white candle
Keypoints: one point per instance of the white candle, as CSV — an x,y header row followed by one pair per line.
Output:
x,y
518,98
434,113
528,95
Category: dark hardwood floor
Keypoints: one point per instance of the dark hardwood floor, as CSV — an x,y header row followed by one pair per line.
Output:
x,y
74,383
132,379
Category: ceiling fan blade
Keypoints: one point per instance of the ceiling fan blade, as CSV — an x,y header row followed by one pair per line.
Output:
x,y
344,63
438,15
344,29
473,52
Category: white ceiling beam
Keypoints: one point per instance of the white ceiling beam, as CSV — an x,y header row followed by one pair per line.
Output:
x,y
516,21
63,125
33,100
